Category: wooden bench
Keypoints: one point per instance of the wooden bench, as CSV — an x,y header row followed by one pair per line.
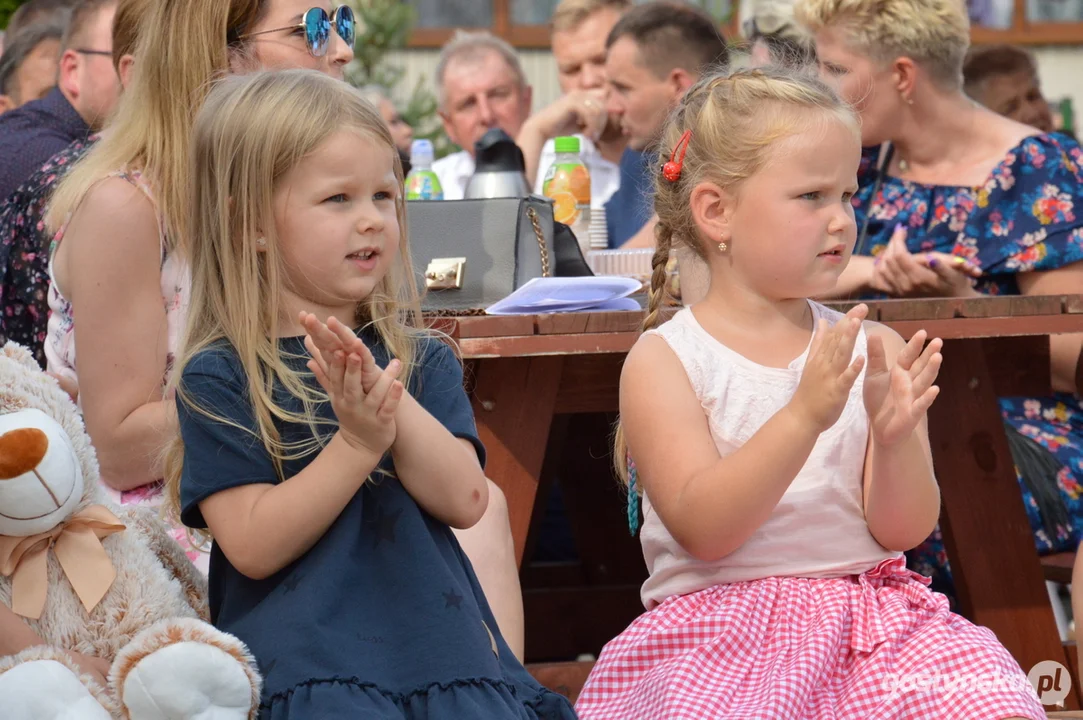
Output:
x,y
565,678
1058,567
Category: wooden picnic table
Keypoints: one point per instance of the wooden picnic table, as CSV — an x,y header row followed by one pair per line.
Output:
x,y
524,371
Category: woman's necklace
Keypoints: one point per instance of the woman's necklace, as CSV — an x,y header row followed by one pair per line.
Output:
x,y
904,166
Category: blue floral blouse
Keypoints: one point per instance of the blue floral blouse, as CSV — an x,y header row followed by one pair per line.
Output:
x,y
1027,217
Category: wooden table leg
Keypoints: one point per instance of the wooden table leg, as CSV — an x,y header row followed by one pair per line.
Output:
x,y
994,563
513,402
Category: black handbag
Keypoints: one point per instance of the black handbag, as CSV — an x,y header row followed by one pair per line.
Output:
x,y
472,253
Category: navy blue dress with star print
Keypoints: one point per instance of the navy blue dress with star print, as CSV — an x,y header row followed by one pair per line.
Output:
x,y
383,617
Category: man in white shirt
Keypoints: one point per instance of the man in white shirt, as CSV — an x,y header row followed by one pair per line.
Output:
x,y
579,31
481,86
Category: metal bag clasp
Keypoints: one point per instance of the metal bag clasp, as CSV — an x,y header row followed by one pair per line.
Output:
x,y
445,274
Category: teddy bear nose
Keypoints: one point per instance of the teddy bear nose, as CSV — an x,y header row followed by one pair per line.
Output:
x,y
21,451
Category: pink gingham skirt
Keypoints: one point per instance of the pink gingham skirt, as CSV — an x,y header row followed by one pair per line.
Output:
x,y
875,646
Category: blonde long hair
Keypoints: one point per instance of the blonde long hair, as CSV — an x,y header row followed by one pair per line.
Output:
x,y
736,118
251,131
183,45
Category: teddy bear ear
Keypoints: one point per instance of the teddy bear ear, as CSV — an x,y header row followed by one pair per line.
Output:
x,y
20,354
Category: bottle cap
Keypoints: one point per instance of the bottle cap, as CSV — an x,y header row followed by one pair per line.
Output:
x,y
567,144
421,152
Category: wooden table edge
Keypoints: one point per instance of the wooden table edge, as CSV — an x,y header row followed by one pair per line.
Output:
x,y
477,348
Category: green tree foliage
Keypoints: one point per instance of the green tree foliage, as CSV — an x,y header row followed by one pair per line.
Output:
x,y
384,26
7,7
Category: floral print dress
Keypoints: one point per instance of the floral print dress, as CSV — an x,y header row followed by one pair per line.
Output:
x,y
24,258
60,351
1027,217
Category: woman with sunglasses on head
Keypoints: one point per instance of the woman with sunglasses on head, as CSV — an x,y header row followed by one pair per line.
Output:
x,y
117,259
275,41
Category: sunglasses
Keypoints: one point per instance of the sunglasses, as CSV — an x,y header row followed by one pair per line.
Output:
x,y
317,26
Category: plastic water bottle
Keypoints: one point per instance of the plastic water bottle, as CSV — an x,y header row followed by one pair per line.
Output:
x,y
422,183
567,183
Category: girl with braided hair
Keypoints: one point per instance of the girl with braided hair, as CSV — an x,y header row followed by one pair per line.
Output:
x,y
780,450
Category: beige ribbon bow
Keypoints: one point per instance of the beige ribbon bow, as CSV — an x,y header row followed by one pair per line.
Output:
x,y
77,543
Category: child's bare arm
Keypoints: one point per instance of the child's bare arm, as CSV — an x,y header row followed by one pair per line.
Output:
x,y
262,528
902,500
440,471
710,504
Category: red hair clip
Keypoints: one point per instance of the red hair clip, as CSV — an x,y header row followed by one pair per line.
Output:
x,y
672,170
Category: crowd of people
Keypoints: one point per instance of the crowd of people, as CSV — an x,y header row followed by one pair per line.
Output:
x,y
201,240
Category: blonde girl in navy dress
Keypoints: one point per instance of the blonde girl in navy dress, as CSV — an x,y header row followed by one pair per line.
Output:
x,y
326,442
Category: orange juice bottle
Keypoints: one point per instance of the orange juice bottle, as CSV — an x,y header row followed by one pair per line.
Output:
x,y
567,183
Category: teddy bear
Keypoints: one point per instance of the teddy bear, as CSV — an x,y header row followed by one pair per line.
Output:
x,y
98,580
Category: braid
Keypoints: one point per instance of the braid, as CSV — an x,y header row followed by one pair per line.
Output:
x,y
659,277
620,454
659,264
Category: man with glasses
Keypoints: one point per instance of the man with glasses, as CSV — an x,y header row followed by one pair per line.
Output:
x,y
481,85
87,89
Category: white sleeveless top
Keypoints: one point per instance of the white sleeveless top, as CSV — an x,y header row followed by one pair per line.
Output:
x,y
818,528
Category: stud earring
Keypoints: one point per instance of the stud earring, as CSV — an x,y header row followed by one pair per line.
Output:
x,y
261,242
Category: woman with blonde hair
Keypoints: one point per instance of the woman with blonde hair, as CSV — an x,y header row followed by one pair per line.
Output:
x,y
956,200
119,275
117,268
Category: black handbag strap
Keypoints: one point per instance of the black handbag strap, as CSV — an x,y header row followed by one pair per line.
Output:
x,y
887,151
535,222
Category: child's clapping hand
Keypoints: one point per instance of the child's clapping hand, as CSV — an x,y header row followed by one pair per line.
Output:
x,y
897,398
830,371
363,396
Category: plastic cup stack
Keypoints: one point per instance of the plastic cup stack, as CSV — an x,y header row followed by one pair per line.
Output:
x,y
626,263
599,236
